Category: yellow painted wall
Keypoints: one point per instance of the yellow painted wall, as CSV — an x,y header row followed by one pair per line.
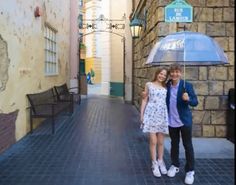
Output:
x,y
24,35
89,63
98,70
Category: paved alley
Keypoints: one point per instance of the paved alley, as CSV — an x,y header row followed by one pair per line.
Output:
x,y
100,144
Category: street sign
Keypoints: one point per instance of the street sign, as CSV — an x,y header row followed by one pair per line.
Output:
x,y
179,11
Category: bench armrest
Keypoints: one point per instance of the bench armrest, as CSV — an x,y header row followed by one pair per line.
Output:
x,y
40,108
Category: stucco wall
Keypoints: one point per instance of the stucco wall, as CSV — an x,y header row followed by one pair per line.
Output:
x,y
117,49
214,18
23,35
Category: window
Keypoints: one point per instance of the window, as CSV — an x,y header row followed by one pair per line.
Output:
x,y
51,64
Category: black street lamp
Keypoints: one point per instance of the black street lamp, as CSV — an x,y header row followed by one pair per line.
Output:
x,y
136,24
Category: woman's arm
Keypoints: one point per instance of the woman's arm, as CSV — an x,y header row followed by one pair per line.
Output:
x,y
144,102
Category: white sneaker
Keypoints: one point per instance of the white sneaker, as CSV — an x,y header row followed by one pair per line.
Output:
x,y
189,178
162,166
155,169
172,171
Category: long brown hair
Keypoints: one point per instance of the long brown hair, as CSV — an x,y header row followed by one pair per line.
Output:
x,y
160,69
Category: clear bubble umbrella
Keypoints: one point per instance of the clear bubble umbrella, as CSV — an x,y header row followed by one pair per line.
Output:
x,y
187,48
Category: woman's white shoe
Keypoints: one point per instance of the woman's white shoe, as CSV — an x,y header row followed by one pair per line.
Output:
x,y
162,167
155,169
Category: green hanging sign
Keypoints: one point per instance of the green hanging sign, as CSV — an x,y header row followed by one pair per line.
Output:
x,y
179,11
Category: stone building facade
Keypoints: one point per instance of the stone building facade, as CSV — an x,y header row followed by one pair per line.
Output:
x,y
214,18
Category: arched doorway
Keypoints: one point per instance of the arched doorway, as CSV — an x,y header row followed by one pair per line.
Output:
x,y
109,69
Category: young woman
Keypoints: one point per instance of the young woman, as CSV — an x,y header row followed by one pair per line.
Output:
x,y
154,118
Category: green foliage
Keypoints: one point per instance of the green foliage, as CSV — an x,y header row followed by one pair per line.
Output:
x,y
82,46
92,72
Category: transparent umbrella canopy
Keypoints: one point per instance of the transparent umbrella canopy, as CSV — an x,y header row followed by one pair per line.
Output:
x,y
187,48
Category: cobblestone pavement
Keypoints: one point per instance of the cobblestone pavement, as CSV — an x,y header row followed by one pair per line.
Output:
x,y
101,144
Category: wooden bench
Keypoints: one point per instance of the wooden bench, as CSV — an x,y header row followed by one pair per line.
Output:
x,y
64,93
46,105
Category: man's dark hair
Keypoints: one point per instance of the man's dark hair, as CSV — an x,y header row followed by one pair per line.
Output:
x,y
175,66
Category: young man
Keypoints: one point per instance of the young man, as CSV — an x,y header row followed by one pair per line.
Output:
x,y
180,95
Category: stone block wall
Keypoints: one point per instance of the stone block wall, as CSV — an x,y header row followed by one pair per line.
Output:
x,y
214,18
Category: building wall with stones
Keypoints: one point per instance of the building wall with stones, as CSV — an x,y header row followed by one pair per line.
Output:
x,y
22,59
214,18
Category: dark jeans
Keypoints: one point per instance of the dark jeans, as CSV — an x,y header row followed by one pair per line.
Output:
x,y
186,134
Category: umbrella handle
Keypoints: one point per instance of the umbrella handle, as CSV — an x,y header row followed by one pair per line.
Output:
x,y
184,89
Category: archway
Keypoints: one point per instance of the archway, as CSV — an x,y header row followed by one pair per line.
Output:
x,y
113,73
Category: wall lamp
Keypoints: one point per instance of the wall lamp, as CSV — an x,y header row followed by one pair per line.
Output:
x,y
136,24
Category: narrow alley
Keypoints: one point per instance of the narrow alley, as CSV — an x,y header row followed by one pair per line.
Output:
x,y
101,144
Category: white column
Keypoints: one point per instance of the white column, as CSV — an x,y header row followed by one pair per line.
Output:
x,y
104,43
105,85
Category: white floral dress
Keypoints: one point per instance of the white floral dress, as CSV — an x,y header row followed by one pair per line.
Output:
x,y
155,118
